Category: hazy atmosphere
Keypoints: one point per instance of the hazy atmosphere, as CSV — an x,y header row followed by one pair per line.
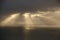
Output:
x,y
50,8
30,19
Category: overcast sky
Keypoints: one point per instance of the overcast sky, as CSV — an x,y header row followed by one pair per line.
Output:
x,y
27,5
21,4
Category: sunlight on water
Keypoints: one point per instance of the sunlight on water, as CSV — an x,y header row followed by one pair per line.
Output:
x,y
31,20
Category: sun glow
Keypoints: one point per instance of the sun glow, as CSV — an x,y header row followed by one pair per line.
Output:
x,y
9,20
31,20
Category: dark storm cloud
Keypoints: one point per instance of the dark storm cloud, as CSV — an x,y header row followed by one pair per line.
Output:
x,y
27,5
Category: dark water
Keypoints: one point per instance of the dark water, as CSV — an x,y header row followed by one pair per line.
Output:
x,y
12,33
17,33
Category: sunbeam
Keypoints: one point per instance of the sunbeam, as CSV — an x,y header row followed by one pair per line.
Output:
x,y
9,20
28,21
31,20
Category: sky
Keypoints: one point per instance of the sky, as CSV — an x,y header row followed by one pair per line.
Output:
x,y
27,5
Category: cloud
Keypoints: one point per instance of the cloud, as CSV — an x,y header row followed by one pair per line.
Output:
x,y
28,5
